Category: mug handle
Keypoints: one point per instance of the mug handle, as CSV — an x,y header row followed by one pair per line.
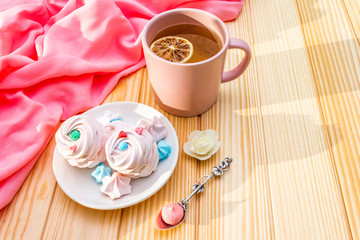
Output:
x,y
237,71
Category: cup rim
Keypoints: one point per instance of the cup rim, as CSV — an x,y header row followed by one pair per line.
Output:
x,y
154,19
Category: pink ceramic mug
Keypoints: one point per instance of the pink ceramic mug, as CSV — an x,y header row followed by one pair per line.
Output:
x,y
189,89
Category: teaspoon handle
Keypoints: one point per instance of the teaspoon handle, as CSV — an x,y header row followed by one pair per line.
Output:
x,y
197,187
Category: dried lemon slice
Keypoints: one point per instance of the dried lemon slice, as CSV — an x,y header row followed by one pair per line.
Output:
x,y
174,49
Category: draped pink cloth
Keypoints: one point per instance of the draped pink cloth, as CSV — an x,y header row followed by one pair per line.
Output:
x,y
58,58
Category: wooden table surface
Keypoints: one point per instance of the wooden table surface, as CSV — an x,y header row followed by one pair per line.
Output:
x,y
291,122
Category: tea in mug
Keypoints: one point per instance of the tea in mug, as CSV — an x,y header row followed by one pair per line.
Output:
x,y
205,43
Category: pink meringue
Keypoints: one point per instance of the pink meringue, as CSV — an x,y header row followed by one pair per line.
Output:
x,y
110,121
138,159
116,185
172,213
87,149
154,127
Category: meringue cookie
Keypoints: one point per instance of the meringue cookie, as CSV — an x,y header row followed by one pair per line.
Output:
x,y
164,150
202,144
172,213
139,159
155,127
108,118
100,172
116,185
110,121
80,140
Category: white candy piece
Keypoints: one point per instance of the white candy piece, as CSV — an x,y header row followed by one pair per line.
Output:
x,y
202,144
87,151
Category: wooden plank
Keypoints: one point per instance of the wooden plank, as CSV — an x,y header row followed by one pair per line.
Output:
x,y
237,205
353,10
335,56
305,194
138,221
69,220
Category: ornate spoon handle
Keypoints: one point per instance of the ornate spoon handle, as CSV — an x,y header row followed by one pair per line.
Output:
x,y
199,186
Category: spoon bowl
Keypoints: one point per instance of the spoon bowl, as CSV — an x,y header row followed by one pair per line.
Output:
x,y
162,225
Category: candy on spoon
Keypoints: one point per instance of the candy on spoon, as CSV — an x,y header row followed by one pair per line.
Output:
x,y
172,213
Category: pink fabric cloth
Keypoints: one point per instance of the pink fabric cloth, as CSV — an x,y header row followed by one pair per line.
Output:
x,y
58,58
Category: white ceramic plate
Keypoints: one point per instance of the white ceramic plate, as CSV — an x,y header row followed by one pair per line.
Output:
x,y
80,186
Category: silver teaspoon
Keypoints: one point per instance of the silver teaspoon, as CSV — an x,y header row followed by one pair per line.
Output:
x,y
173,214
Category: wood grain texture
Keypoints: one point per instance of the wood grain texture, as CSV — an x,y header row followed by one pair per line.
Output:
x,y
300,162
237,205
352,8
291,122
335,58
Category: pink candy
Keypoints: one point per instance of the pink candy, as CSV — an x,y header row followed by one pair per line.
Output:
x,y
172,213
139,130
73,148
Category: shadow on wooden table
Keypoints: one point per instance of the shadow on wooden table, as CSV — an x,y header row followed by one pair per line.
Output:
x,y
284,64
270,12
298,136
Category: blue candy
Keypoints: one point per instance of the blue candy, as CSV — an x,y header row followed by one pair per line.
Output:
x,y
123,146
164,150
115,119
100,172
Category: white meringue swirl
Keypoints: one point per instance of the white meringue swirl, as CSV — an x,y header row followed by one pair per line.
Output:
x,y
87,151
139,159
